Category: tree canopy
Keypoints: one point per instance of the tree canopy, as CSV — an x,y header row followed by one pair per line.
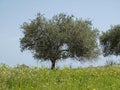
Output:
x,y
110,41
60,37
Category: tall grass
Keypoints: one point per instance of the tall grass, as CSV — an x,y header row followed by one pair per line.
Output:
x,y
25,78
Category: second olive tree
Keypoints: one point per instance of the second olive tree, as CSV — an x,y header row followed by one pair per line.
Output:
x,y
110,41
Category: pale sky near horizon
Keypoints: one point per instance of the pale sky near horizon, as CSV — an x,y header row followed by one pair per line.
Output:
x,y
13,13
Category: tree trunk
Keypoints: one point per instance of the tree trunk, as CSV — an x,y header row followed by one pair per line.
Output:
x,y
53,64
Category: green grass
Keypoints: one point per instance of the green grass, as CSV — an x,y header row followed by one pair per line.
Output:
x,y
24,78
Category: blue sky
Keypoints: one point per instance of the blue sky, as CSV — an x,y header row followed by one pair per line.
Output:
x,y
13,13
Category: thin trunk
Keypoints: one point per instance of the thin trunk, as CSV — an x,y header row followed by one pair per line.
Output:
x,y
53,64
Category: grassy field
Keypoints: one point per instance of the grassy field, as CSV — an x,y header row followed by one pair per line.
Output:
x,y
25,78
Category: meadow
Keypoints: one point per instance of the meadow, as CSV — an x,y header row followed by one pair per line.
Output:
x,y
34,78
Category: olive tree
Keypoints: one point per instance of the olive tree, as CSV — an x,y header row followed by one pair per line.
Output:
x,y
60,37
110,41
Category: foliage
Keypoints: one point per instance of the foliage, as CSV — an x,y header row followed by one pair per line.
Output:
x,y
99,78
47,37
110,41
